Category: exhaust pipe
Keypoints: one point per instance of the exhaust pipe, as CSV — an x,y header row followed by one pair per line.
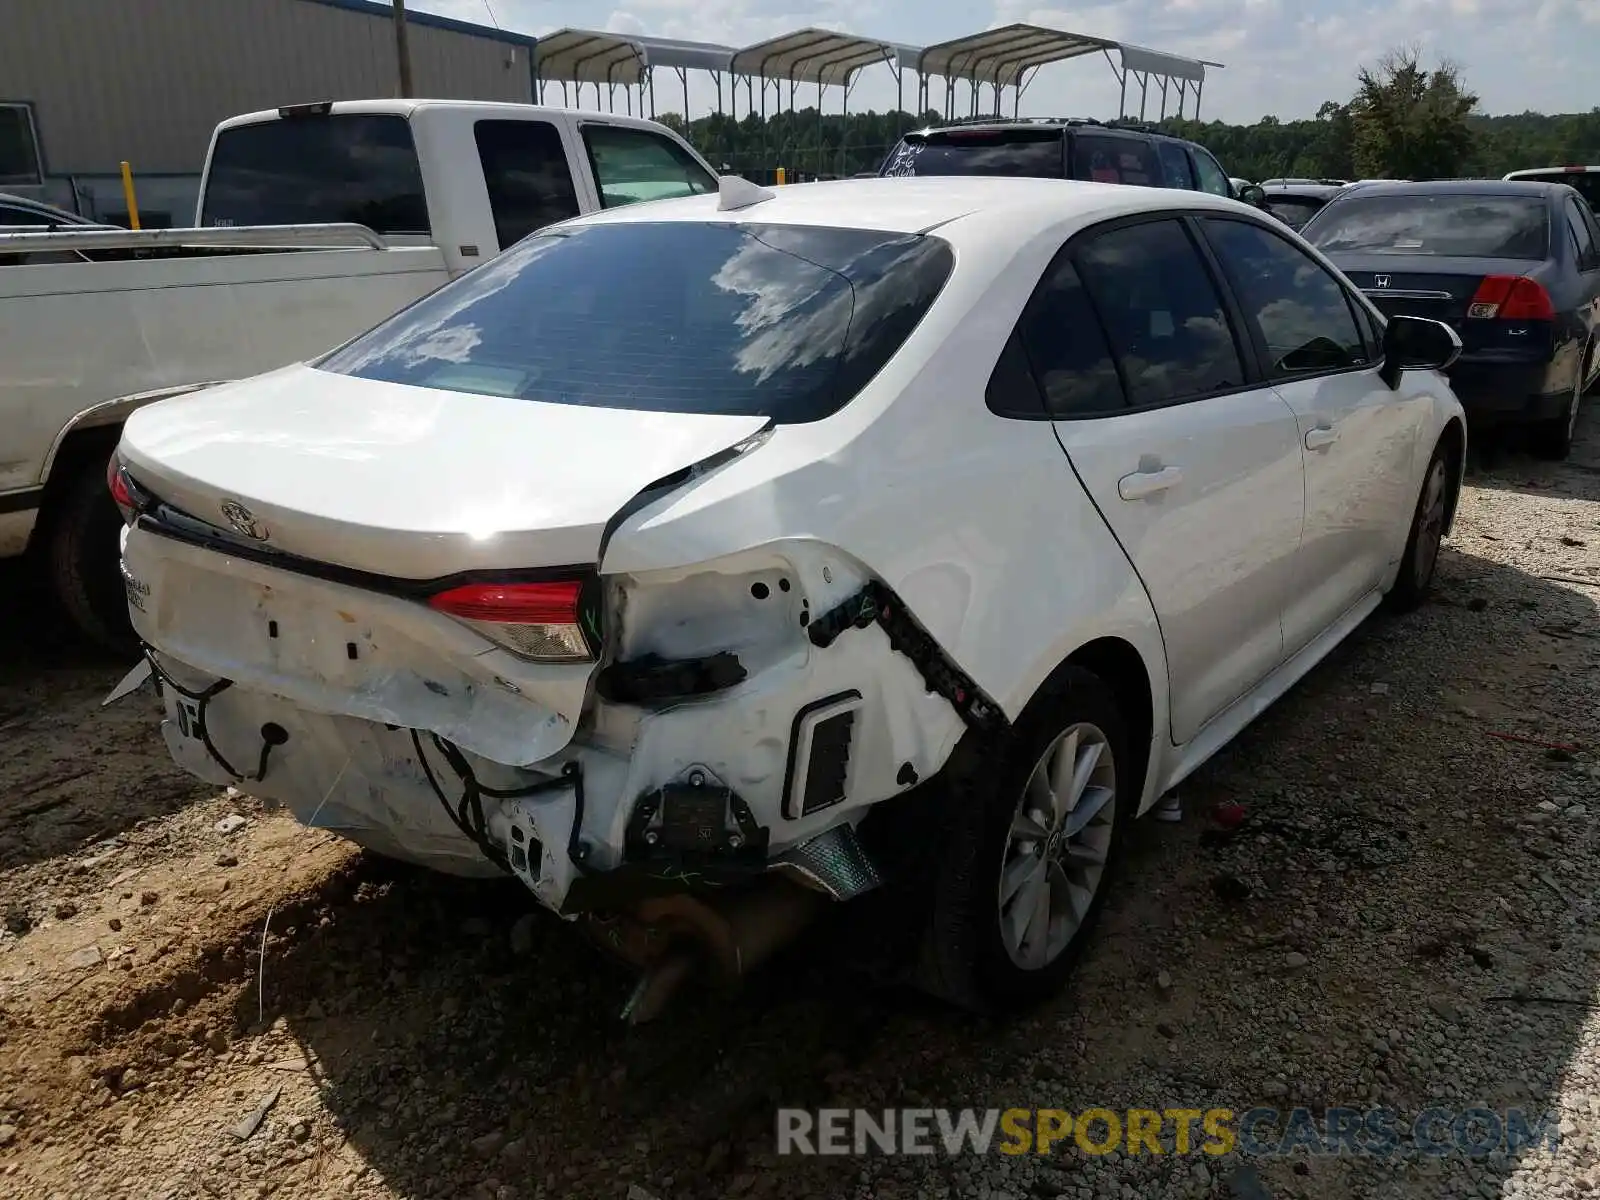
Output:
x,y
668,936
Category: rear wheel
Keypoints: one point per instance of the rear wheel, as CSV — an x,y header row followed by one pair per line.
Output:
x,y
83,558
1421,556
1033,841
1552,439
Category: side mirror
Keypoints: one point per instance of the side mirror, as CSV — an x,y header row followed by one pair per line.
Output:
x,y
1253,194
1417,344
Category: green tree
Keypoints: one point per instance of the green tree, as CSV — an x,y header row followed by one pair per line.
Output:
x,y
1408,122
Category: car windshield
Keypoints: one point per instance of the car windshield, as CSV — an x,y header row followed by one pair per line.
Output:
x,y
1459,225
1587,183
786,322
1028,153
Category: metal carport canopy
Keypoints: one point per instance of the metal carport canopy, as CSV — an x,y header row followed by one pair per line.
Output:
x,y
589,56
818,56
1002,56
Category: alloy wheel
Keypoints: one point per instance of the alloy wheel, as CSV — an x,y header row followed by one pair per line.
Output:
x,y
1430,523
1057,847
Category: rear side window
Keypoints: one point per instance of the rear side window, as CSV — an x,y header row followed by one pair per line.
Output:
x,y
631,165
785,322
1582,238
1020,152
1102,158
1162,313
1454,226
525,170
310,170
1067,349
1175,165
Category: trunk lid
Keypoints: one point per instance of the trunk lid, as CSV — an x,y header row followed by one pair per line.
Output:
x,y
407,482
1436,287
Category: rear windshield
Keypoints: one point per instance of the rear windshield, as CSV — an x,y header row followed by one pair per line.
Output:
x,y
1030,153
783,322
309,170
1454,226
1587,183
1293,211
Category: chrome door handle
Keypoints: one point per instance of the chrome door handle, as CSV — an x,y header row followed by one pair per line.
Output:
x,y
1143,484
1321,437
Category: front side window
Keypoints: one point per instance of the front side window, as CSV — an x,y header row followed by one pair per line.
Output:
x,y
316,169
1462,225
1175,165
1299,312
786,322
1212,177
631,165
525,170
1066,347
19,146
1106,158
1162,313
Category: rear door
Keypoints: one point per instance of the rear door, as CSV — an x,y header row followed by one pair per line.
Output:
x,y
1586,258
1194,464
1359,437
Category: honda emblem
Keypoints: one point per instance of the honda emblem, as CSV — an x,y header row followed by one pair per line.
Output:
x,y
1381,281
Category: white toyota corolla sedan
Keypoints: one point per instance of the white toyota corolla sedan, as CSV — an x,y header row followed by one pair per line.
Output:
x,y
702,562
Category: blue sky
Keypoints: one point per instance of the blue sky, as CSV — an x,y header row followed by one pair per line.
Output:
x,y
1283,57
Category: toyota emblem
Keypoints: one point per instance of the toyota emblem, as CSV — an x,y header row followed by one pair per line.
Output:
x,y
243,521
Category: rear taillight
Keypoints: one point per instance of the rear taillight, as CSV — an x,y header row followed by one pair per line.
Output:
x,y
117,481
1510,298
537,621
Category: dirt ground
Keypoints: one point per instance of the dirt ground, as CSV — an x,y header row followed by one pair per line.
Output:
x,y
1408,916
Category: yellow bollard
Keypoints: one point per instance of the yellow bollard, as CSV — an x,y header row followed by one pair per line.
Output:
x,y
782,178
127,194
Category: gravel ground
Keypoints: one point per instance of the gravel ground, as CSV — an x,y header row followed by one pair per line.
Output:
x,y
198,998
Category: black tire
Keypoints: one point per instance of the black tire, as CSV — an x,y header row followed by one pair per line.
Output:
x,y
83,559
1552,440
1421,558
963,957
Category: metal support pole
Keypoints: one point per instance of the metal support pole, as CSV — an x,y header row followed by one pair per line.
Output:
x,y
402,49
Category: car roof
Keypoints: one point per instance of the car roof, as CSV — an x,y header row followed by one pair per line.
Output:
x,y
1317,191
409,108
961,207
1081,124
1570,169
39,206
1455,187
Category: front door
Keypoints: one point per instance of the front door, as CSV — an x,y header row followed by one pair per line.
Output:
x,y
1359,436
1195,466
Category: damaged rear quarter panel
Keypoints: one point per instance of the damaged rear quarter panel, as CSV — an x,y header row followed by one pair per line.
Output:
x,y
978,523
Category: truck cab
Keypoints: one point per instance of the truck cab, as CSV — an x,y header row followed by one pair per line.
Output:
x,y
467,177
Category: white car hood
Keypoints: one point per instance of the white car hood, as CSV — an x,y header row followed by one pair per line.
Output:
x,y
411,482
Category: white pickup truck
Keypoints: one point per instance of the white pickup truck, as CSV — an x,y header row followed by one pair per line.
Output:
x,y
314,223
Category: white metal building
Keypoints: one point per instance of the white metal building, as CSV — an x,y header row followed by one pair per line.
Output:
x,y
85,84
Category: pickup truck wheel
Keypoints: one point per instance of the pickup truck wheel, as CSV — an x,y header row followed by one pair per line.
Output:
x,y
1032,841
84,559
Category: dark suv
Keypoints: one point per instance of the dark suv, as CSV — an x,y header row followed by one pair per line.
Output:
x,y
1063,148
